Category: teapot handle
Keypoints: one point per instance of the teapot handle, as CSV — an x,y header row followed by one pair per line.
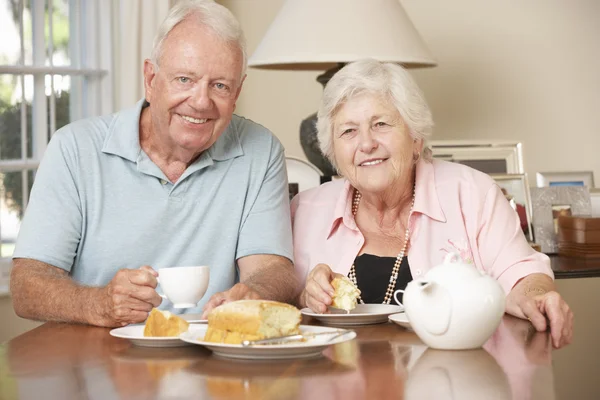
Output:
x,y
452,258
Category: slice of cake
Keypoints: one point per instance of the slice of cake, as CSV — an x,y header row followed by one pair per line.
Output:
x,y
164,323
345,293
251,320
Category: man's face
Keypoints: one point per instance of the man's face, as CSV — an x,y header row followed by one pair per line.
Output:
x,y
192,93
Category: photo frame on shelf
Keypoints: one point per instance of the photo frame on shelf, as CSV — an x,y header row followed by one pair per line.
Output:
x,y
548,203
571,178
490,157
516,189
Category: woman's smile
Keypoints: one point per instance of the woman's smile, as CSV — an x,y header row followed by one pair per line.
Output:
x,y
372,162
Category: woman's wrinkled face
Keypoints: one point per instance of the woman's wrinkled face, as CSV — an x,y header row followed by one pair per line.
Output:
x,y
372,146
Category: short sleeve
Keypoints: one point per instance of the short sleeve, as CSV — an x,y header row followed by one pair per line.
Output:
x,y
267,228
505,253
51,228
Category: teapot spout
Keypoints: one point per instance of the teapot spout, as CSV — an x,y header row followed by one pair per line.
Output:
x,y
436,305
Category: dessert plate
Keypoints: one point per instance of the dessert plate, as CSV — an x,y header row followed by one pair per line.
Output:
x,y
310,348
400,319
135,334
363,314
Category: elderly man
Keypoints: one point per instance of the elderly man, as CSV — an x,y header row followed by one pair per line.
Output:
x,y
176,180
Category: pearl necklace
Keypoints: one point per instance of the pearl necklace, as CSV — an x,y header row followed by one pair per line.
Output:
x,y
392,284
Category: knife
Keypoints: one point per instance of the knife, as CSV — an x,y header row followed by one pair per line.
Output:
x,y
295,338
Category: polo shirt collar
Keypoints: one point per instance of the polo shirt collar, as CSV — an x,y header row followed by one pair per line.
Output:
x,y
123,139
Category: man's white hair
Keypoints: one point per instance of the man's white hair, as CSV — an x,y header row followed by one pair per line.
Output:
x,y
387,80
210,14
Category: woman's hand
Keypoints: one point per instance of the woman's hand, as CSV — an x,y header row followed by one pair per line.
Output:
x,y
318,291
543,309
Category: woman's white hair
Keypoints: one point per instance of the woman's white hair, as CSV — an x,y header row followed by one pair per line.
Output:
x,y
210,14
369,76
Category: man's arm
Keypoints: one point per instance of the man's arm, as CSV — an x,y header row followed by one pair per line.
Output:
x,y
271,276
43,292
262,276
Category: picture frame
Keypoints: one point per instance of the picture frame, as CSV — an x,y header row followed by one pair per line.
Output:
x,y
595,200
570,178
516,189
490,157
548,203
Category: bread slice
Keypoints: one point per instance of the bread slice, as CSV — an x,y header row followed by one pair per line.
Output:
x,y
345,294
163,324
251,320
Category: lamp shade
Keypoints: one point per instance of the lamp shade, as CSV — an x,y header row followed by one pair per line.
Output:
x,y
320,34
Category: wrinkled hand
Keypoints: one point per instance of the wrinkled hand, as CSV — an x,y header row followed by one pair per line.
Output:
x,y
548,308
239,291
129,297
318,293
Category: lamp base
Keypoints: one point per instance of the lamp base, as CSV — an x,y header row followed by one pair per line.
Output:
x,y
308,132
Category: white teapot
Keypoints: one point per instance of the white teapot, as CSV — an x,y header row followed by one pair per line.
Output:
x,y
454,306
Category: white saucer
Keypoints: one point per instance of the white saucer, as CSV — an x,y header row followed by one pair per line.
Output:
x,y
363,314
400,319
135,333
308,349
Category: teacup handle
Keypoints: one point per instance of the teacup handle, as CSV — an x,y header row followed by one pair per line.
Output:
x,y
161,295
396,298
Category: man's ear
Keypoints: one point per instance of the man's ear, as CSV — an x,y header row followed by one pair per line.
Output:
x,y
150,71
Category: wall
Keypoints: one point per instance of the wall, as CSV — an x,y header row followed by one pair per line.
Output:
x,y
508,70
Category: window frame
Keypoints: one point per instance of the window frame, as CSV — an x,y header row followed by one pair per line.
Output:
x,y
91,55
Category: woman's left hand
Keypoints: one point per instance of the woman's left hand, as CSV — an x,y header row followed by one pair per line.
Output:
x,y
541,310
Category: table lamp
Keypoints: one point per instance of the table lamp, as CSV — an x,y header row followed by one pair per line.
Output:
x,y
327,34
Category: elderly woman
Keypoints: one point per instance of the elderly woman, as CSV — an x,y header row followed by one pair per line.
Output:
x,y
397,212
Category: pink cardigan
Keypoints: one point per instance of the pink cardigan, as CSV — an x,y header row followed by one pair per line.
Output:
x,y
456,209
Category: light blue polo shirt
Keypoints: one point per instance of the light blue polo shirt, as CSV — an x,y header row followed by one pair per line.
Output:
x,y
99,204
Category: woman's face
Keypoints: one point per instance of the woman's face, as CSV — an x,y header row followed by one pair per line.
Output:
x,y
372,146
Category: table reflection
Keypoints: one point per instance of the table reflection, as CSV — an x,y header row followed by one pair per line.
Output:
x,y
386,361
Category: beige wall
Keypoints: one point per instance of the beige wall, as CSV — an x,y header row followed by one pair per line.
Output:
x,y
508,70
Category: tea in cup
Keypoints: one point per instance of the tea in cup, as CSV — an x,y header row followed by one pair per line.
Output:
x,y
184,286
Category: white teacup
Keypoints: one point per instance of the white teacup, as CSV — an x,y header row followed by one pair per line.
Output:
x,y
184,286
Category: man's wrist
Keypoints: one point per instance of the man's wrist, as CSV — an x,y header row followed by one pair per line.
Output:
x,y
94,307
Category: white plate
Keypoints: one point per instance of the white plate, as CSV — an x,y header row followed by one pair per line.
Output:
x,y
309,349
135,333
400,319
303,173
363,314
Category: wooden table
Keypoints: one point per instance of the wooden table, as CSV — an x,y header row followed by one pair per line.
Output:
x,y
60,361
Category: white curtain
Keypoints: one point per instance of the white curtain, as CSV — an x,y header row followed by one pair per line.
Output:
x,y
136,23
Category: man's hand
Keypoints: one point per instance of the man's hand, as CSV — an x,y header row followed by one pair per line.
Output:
x,y
128,298
543,309
239,291
318,293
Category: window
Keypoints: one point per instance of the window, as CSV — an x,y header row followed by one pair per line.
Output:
x,y
55,62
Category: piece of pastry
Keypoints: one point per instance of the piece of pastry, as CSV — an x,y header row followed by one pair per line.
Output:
x,y
345,294
163,323
251,320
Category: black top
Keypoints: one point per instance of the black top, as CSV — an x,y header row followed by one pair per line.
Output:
x,y
373,276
